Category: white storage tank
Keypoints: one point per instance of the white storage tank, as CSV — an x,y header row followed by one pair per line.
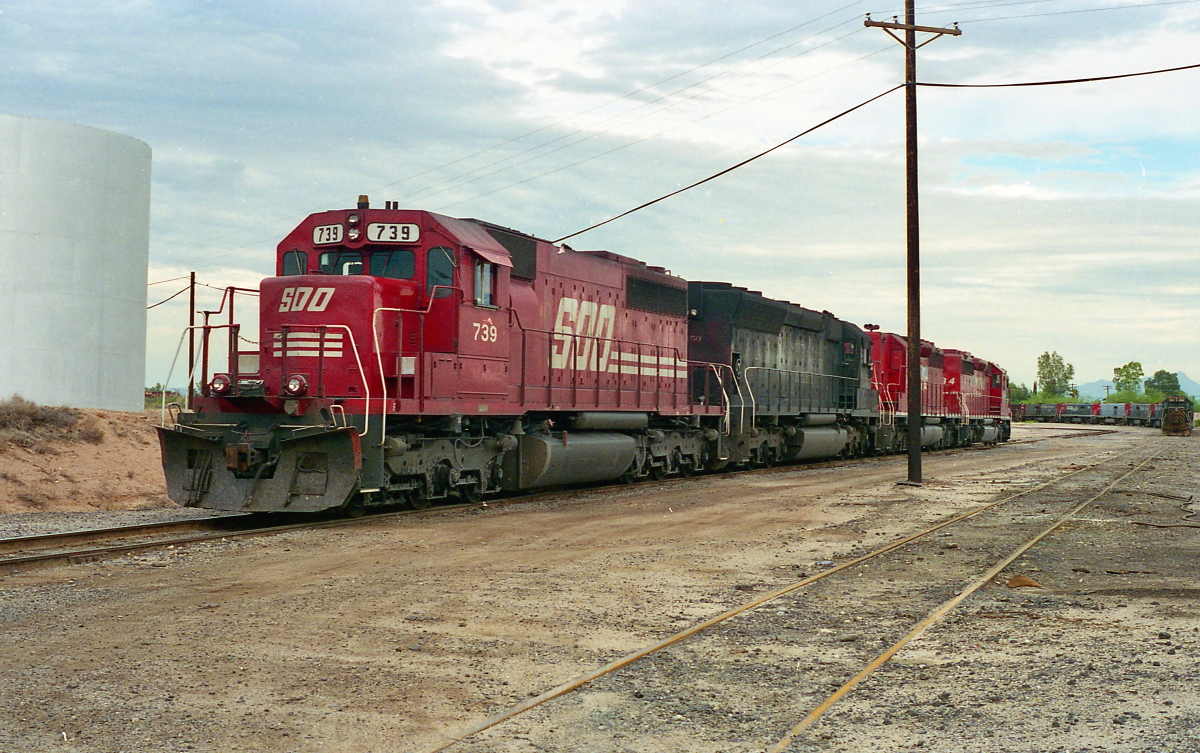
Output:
x,y
74,240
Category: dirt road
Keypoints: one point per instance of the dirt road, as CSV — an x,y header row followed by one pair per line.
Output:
x,y
393,635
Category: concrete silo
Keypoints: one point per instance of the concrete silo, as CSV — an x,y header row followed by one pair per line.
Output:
x,y
74,238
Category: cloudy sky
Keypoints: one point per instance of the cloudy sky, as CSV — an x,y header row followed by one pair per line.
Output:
x,y
1053,218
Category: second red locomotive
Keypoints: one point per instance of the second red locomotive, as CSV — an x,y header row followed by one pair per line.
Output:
x,y
404,356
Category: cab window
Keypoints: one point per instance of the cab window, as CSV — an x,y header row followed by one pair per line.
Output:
x,y
295,263
439,271
399,264
485,283
341,263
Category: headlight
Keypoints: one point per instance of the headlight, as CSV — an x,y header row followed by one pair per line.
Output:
x,y
353,219
220,384
354,233
296,385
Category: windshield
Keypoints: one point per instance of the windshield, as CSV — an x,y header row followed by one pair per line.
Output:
x,y
341,263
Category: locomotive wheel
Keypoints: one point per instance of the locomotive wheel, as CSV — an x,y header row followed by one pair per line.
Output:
x,y
470,493
658,472
354,507
687,466
766,453
419,501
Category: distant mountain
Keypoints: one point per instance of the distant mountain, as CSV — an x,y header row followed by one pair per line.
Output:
x,y
1096,391
1188,385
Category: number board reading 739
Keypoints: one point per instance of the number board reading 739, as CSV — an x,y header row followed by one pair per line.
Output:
x,y
327,234
393,232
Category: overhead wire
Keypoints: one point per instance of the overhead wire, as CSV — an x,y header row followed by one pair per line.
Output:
x,y
846,112
944,8
593,133
655,135
1082,10
734,167
1060,81
542,128
660,133
173,295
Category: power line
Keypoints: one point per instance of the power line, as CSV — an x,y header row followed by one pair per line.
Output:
x,y
635,142
160,282
546,127
1062,81
595,133
1083,10
852,109
734,167
655,135
228,252
180,292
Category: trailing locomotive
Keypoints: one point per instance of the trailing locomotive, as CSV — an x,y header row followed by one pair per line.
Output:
x,y
1177,417
404,356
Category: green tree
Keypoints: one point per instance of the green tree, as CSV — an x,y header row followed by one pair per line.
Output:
x,y
1128,377
1018,393
1164,381
1054,375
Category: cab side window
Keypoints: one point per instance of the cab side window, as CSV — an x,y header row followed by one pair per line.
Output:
x,y
295,263
485,283
439,271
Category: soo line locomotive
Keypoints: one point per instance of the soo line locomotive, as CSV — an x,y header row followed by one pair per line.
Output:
x,y
403,356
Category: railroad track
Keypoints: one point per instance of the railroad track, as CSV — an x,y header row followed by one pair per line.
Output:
x,y
771,669
24,553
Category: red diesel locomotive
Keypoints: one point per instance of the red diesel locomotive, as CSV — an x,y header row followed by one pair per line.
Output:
x,y
404,356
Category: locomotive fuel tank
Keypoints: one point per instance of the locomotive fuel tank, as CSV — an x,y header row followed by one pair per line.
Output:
x,y
568,458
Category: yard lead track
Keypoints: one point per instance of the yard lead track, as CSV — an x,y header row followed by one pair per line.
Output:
x,y
608,672
24,553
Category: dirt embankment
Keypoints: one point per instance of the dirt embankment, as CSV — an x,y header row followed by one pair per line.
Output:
x,y
65,459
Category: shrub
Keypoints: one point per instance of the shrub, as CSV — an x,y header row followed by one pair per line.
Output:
x,y
27,424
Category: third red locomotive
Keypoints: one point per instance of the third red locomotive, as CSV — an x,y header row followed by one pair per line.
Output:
x,y
403,356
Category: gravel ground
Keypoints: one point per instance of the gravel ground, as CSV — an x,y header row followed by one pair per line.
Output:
x,y
394,635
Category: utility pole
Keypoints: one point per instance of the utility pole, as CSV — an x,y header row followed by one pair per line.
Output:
x,y
910,29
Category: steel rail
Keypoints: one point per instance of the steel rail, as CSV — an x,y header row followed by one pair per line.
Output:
x,y
580,681
77,556
66,538
944,608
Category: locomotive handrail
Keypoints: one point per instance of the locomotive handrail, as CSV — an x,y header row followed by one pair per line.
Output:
x,y
726,422
379,360
201,363
750,391
357,359
162,416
